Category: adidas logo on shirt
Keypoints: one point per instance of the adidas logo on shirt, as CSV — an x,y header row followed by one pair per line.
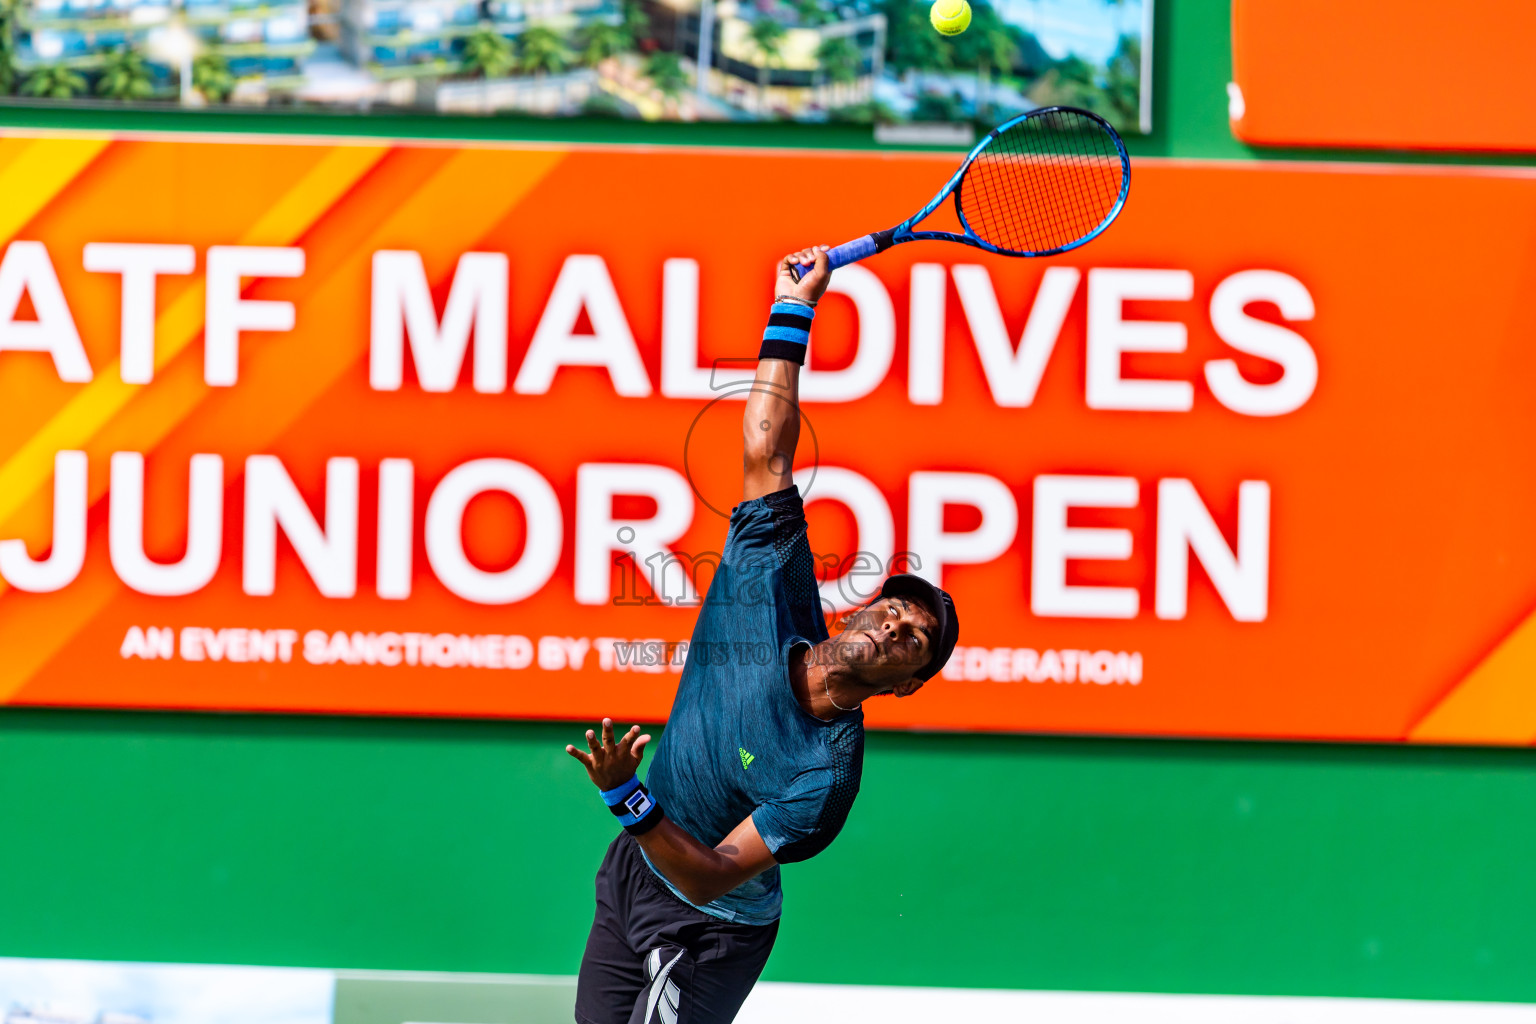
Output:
x,y
746,758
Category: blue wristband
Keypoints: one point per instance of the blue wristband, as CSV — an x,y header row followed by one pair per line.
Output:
x,y
631,803
788,333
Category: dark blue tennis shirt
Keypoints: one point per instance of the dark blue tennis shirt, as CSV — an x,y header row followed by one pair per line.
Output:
x,y
738,743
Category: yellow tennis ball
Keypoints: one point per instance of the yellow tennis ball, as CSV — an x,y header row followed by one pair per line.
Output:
x,y
950,17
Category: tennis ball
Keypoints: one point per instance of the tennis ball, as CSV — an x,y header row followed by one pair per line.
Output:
x,y
950,17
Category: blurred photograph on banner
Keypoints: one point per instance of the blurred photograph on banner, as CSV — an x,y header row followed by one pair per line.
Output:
x,y
91,992
863,61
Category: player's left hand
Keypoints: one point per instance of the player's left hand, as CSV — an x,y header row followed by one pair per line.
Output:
x,y
611,762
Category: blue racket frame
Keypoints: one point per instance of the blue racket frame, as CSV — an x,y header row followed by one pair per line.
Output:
x,y
879,241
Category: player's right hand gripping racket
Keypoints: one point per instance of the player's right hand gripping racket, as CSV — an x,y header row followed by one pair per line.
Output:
x,y
1039,184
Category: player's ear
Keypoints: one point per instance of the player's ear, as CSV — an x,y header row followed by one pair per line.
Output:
x,y
907,687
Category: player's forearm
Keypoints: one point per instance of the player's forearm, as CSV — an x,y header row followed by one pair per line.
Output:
x,y
771,424
770,428
700,873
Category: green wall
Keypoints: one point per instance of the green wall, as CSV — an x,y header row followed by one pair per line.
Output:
x,y
994,862
986,861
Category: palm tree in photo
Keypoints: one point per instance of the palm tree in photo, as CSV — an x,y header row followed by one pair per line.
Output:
x,y
54,82
997,53
911,42
211,77
1122,82
811,13
8,45
544,51
1070,83
665,70
837,60
488,54
125,75
636,24
601,40
7,67
768,37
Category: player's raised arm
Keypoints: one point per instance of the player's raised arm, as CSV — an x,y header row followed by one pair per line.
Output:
x,y
770,427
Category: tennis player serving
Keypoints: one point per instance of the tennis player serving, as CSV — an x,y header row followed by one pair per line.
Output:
x,y
760,763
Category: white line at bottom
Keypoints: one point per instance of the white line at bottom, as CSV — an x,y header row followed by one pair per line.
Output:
x,y
776,1002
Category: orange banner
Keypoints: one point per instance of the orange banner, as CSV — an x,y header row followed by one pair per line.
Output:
x,y
1352,75
451,431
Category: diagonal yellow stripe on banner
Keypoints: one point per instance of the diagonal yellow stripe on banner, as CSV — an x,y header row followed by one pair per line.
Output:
x,y
85,414
36,640
39,171
12,148
1496,703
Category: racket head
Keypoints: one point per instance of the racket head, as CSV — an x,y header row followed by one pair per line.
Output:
x,y
1043,183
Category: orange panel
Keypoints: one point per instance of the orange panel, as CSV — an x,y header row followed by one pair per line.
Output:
x,y
1398,554
1400,74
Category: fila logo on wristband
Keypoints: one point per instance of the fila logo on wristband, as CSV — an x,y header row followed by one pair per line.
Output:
x,y
638,802
788,332
631,803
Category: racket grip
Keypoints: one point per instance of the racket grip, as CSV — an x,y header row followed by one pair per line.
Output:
x,y
842,255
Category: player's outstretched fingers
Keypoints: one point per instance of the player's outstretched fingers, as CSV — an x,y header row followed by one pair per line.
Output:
x,y
607,734
639,748
585,759
592,743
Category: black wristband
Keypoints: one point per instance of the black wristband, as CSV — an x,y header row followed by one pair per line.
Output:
x,y
650,821
788,332
631,803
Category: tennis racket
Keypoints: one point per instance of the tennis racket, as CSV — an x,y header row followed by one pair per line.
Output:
x,y
1037,185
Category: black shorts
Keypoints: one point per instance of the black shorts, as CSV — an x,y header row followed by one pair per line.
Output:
x,y
653,959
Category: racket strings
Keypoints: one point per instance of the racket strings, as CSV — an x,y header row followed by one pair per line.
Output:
x,y
1043,184
1047,160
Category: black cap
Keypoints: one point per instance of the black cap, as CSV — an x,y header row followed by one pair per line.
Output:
x,y
943,607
